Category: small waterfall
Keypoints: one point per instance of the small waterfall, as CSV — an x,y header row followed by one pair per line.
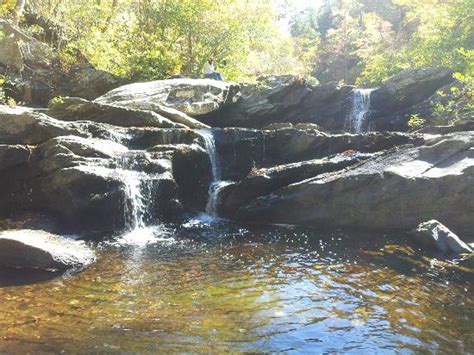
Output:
x,y
139,200
216,185
360,109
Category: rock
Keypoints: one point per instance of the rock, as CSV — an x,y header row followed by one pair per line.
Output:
x,y
74,109
193,175
289,100
20,125
435,236
35,249
389,192
34,75
402,91
194,97
89,83
279,125
242,149
263,181
20,50
458,127
13,155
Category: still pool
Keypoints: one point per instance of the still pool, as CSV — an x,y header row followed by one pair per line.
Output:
x,y
222,288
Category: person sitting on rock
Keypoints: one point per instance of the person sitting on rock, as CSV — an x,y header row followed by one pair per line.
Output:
x,y
210,71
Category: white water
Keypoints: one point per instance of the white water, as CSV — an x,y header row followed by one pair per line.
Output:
x,y
217,184
138,187
360,109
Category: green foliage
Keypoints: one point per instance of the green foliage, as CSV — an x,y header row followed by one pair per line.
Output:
x,y
148,39
415,122
58,100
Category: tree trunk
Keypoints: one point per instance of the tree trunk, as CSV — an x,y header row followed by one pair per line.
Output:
x,y
18,11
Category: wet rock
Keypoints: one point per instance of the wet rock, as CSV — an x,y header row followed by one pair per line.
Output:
x,y
193,175
74,109
389,192
34,249
433,235
193,97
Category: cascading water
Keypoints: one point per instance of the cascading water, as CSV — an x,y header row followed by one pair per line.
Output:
x,y
217,184
138,188
360,109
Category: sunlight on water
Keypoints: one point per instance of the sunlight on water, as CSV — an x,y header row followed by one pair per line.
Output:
x,y
143,236
226,288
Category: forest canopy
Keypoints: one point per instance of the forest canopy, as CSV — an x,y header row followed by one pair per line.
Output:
x,y
351,41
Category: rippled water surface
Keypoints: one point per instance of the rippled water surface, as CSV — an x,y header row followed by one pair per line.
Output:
x,y
230,289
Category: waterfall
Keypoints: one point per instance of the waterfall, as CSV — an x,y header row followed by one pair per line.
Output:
x,y
359,110
138,188
217,184
139,199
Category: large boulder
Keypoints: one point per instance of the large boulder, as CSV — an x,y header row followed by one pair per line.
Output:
x,y
193,97
263,181
87,82
241,150
35,249
289,100
20,125
393,191
74,109
390,103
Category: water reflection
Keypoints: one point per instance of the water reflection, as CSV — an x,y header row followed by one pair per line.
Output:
x,y
221,289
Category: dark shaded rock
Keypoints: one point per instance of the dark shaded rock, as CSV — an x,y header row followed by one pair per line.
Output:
x,y
34,249
390,102
145,138
13,155
89,83
433,235
286,101
240,150
193,175
390,192
263,181
74,109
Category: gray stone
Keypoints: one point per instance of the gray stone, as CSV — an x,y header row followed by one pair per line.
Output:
x,y
74,109
35,249
435,236
193,97
390,192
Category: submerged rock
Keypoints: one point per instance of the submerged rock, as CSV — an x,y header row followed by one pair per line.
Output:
x,y
34,249
435,236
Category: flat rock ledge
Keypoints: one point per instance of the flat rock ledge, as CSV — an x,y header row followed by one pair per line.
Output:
x,y
35,249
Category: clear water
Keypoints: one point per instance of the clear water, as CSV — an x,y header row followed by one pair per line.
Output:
x,y
224,288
